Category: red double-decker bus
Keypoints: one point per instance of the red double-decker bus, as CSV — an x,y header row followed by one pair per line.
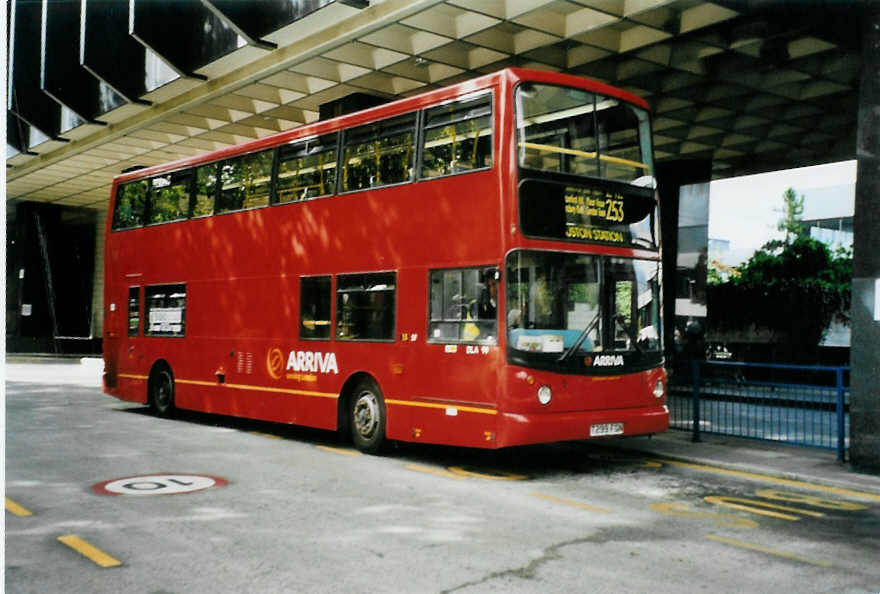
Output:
x,y
478,266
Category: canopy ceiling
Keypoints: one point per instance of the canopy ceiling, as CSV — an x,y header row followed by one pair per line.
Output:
x,y
751,86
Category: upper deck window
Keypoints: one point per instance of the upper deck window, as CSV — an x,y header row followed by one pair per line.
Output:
x,y
169,197
205,190
307,169
458,137
573,131
379,154
131,202
245,182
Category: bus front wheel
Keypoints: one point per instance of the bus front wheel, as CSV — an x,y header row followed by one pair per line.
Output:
x,y
367,417
161,390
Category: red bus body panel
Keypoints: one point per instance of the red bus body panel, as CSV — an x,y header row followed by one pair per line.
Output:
x,y
242,273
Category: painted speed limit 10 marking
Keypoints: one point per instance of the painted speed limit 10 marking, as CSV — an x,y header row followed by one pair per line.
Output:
x,y
158,484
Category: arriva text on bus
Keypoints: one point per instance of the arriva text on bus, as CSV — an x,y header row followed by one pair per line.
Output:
x,y
312,362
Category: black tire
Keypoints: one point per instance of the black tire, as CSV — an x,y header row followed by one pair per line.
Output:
x,y
367,417
161,391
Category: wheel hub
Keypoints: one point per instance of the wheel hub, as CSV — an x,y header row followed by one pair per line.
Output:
x,y
366,414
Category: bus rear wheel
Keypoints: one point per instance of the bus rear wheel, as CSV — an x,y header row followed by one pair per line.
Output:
x,y
161,391
367,417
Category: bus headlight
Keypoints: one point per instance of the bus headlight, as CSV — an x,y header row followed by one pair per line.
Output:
x,y
659,390
544,395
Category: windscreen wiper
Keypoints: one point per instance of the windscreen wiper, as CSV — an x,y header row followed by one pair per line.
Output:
x,y
581,338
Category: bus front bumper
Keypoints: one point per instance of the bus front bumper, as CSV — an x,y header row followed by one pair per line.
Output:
x,y
521,429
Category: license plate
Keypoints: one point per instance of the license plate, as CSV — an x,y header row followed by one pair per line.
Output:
x,y
602,429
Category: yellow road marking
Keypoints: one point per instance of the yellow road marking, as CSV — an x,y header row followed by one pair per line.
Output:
x,y
92,553
500,476
342,451
437,471
19,510
586,506
776,480
724,520
261,434
762,549
754,506
810,500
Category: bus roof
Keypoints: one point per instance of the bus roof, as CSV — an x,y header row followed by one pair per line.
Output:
x,y
397,107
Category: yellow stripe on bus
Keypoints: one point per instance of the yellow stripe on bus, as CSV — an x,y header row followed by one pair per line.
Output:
x,y
133,376
259,388
471,409
331,395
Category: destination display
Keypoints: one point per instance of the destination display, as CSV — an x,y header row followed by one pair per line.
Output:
x,y
590,211
595,212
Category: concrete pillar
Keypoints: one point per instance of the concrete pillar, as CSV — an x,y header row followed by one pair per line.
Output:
x,y
671,176
865,352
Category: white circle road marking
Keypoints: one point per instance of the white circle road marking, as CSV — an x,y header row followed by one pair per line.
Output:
x,y
158,484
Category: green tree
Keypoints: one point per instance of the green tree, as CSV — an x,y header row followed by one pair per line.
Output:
x,y
792,288
792,211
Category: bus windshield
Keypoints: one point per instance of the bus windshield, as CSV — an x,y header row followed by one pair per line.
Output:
x,y
572,308
573,131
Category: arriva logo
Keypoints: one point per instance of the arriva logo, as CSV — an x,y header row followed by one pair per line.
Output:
x,y
275,363
300,362
608,361
313,362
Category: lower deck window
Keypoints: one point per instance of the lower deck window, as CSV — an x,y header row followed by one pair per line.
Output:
x,y
365,306
464,305
165,313
134,310
314,314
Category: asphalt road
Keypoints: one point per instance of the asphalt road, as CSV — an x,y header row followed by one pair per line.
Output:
x,y
284,509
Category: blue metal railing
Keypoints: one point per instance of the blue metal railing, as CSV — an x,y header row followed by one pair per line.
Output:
x,y
797,404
